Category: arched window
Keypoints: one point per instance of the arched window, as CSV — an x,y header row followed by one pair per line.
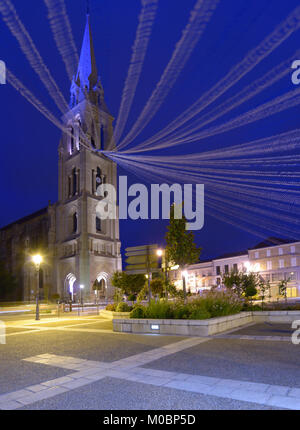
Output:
x,y
98,177
98,224
102,137
69,186
74,174
72,140
75,222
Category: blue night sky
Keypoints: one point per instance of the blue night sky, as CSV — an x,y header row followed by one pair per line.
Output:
x,y
29,170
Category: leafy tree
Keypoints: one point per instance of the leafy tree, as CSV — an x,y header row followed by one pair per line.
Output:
x,y
127,283
262,285
8,285
181,248
282,287
234,281
157,286
268,289
250,282
241,283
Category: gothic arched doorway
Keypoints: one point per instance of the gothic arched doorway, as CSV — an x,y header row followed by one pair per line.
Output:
x,y
69,286
100,286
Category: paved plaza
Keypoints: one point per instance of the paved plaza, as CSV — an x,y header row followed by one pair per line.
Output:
x,y
80,363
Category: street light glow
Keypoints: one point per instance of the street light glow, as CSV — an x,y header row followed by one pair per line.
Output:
x,y
37,259
159,252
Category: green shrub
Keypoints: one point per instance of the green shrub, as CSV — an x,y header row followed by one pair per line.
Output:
x,y
123,307
213,304
131,297
138,312
181,311
162,309
199,314
111,307
221,303
247,307
55,297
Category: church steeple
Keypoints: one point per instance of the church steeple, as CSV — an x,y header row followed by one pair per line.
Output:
x,y
87,74
86,83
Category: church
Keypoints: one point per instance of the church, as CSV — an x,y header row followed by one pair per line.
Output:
x,y
78,248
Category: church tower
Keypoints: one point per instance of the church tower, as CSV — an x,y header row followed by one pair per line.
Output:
x,y
87,248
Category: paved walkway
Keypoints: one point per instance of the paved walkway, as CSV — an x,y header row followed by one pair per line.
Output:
x,y
136,368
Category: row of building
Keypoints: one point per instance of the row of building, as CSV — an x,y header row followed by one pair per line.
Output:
x,y
274,259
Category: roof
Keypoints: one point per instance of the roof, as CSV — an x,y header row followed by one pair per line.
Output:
x,y
87,74
273,241
231,254
26,218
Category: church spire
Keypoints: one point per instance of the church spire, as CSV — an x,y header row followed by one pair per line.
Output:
x,y
87,74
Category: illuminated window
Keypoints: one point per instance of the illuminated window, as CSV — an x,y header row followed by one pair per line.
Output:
x,y
294,261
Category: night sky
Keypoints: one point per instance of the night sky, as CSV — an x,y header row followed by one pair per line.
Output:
x,y
29,169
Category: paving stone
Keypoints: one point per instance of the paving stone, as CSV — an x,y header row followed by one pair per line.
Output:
x,y
42,395
37,388
294,392
76,383
284,402
250,396
206,380
9,405
188,386
14,395
278,390
57,381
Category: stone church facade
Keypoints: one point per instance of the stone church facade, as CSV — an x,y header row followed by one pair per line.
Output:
x,y
78,247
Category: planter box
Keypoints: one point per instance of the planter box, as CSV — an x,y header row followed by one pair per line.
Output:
x,y
276,316
202,327
183,327
110,314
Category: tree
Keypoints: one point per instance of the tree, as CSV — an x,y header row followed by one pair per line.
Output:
x,y
181,248
262,289
157,286
250,281
234,281
241,283
282,287
127,283
8,285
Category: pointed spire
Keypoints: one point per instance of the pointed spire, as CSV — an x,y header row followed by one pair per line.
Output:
x,y
87,74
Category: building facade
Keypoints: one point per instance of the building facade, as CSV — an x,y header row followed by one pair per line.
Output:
x,y
274,259
78,247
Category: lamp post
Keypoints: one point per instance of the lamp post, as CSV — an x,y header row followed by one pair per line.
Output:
x,y
81,288
37,260
161,253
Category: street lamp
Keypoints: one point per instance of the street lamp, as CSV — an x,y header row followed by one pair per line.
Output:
x,y
161,254
37,261
81,288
